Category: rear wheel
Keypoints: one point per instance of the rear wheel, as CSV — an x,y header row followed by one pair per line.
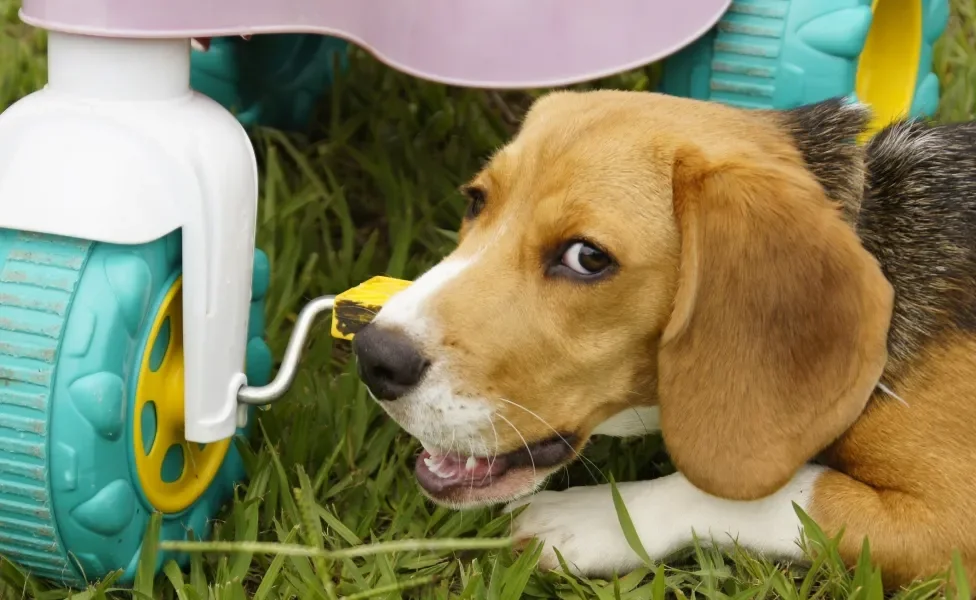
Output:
x,y
780,54
274,80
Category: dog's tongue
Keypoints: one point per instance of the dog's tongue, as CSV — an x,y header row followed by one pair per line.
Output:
x,y
437,472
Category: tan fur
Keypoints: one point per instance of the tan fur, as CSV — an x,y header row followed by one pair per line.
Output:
x,y
503,321
905,473
599,165
779,330
744,306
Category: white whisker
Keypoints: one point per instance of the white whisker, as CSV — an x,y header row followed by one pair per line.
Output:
x,y
637,414
535,473
891,393
494,453
582,458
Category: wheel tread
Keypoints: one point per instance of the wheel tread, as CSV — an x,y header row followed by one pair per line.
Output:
x,y
27,450
747,48
45,258
19,424
21,470
745,57
26,376
776,9
31,528
22,509
43,350
762,27
39,562
34,401
10,538
37,281
38,276
27,489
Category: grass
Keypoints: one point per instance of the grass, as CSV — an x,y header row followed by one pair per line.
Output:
x,y
331,509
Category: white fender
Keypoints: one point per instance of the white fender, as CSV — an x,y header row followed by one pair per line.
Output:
x,y
129,171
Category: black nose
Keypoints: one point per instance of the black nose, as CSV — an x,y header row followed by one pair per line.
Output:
x,y
389,363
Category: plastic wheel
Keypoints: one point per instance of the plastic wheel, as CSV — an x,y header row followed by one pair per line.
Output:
x,y
782,54
82,327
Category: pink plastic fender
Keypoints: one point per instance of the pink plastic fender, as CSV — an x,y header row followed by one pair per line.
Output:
x,y
473,43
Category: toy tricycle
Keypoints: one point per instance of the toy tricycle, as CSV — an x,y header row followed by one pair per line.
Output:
x,y
131,294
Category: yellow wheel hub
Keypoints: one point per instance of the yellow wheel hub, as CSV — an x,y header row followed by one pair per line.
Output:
x,y
887,71
173,472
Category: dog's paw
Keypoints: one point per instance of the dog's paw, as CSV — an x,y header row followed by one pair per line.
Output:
x,y
582,524
667,512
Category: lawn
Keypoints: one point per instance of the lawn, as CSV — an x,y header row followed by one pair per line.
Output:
x,y
372,189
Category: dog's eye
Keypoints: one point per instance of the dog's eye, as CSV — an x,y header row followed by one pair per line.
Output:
x,y
476,201
586,259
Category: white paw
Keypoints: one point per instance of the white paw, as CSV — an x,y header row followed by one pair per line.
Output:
x,y
582,524
667,512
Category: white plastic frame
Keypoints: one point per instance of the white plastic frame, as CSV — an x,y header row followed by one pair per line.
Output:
x,y
117,148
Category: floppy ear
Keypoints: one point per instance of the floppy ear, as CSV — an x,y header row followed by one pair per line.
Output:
x,y
778,334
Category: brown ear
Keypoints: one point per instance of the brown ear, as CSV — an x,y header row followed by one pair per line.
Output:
x,y
778,333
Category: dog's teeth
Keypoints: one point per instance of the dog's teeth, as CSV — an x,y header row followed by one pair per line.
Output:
x,y
435,466
471,463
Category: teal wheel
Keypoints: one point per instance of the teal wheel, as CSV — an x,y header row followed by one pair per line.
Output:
x,y
79,322
781,54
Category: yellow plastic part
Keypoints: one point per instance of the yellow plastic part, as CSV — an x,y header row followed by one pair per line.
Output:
x,y
356,307
164,388
888,67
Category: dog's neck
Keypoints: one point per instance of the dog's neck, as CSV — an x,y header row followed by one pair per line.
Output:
x,y
826,134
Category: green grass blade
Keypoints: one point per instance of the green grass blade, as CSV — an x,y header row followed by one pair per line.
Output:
x,y
146,569
627,524
960,582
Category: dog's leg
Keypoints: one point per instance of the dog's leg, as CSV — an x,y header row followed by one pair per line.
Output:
x,y
667,513
903,474
911,535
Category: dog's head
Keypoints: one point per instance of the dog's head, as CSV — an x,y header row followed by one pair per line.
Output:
x,y
631,250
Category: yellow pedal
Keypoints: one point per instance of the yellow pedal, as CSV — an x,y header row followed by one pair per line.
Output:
x,y
356,307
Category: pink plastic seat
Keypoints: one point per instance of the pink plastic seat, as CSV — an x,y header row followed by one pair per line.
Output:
x,y
476,43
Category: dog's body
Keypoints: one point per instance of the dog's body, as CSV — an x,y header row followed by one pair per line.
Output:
x,y
795,312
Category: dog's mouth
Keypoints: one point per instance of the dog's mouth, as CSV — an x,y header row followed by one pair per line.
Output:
x,y
471,480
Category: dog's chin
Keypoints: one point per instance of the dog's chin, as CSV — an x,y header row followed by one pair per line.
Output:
x,y
475,481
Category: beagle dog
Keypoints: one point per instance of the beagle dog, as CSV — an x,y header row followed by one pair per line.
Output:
x,y
793,310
